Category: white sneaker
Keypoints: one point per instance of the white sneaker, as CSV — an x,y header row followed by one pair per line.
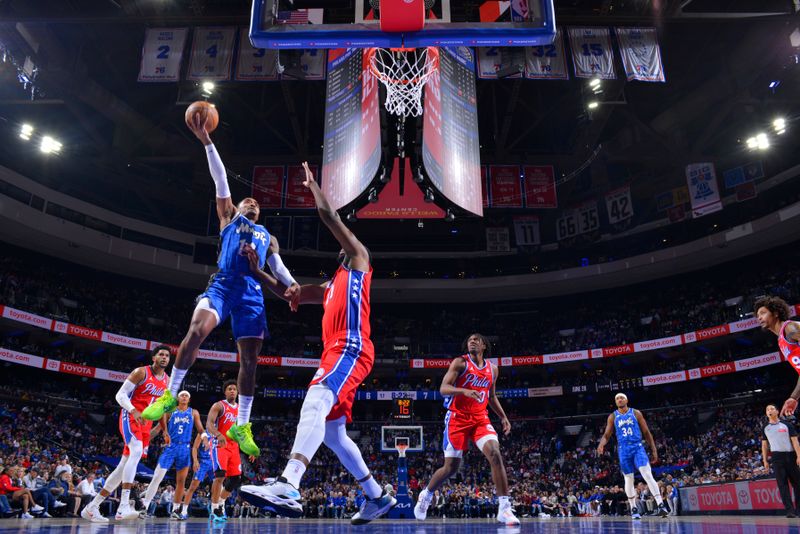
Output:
x,y
45,515
421,508
93,515
36,508
126,512
279,497
507,517
26,515
59,504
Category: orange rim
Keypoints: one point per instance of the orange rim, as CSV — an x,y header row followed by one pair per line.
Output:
x,y
433,52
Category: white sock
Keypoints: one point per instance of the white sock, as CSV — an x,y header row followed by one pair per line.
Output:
x,y
245,403
371,488
294,472
158,476
176,379
184,508
125,497
502,502
97,501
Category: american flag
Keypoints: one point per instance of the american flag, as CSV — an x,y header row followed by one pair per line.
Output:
x,y
300,16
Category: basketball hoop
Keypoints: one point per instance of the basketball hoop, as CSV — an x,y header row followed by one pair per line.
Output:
x,y
401,449
404,72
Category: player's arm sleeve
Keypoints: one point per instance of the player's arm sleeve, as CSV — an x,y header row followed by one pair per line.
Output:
x,y
123,396
276,265
218,172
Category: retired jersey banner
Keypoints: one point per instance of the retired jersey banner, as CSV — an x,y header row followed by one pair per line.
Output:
x,y
298,195
489,61
619,205
540,186
526,230
547,62
268,185
592,54
641,54
255,64
212,54
703,189
162,53
506,186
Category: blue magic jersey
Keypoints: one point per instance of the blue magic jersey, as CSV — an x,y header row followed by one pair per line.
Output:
x,y
629,435
180,426
241,232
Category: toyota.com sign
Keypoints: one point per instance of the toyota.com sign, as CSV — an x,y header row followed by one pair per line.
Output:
x,y
733,497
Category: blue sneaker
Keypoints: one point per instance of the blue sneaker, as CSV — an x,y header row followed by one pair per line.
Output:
x,y
217,515
373,509
279,497
635,515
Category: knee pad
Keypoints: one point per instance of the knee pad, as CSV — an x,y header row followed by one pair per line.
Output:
x,y
231,484
219,473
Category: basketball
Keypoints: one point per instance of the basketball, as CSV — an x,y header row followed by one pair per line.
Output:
x,y
205,110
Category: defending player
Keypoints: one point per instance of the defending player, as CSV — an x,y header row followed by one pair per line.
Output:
x,y
630,426
773,314
141,388
176,453
469,388
202,467
232,291
347,360
225,460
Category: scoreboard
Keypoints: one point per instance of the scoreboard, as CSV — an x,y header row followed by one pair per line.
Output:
x,y
403,411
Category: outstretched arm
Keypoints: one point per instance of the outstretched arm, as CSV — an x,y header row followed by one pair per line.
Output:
x,y
280,271
607,434
648,436
494,403
305,294
355,250
225,208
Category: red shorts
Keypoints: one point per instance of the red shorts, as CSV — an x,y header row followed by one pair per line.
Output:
x,y
343,367
461,428
227,459
130,428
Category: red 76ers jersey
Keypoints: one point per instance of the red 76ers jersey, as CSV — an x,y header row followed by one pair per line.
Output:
x,y
476,378
789,350
228,416
148,389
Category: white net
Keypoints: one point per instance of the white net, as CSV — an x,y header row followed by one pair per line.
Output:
x,y
404,73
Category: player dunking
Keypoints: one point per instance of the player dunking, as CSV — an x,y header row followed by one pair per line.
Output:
x,y
773,314
630,426
232,291
177,437
347,360
225,460
142,387
469,388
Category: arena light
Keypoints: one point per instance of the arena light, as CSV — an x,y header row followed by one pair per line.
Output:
x,y
595,83
593,104
774,84
780,125
50,145
752,143
207,88
26,131
762,141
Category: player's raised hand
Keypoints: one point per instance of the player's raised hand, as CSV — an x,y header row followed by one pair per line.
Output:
x,y
309,175
789,407
199,130
506,425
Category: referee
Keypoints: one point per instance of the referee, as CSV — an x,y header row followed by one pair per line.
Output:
x,y
780,437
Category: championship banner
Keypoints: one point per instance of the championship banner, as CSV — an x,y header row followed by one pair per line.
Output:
x,y
506,187
547,62
540,186
255,64
619,205
641,54
162,54
490,59
592,53
703,189
268,185
297,195
526,231
212,54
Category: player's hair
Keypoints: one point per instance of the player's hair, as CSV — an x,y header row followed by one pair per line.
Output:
x,y
159,348
773,405
229,383
486,353
776,305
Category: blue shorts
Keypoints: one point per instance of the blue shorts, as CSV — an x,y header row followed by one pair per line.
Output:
x,y
177,454
631,459
240,297
206,471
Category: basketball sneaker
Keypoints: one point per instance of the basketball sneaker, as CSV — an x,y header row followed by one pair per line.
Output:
x,y
243,435
506,516
218,514
126,512
662,510
423,502
373,509
166,403
93,514
279,497
175,516
635,514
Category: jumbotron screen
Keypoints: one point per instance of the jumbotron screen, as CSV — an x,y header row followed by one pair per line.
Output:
x,y
351,154
450,148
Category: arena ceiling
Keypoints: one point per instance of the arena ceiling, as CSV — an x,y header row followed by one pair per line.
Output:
x,y
126,147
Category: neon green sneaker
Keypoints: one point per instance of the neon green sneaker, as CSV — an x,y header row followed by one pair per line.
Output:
x,y
243,435
166,403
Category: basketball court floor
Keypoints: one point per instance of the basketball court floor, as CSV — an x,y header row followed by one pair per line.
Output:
x,y
672,525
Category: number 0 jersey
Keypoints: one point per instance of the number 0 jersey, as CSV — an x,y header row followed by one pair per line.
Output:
x,y
476,378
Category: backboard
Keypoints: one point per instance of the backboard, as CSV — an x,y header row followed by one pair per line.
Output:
x,y
411,436
515,23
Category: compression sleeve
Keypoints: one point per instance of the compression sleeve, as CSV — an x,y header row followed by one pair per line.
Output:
x,y
218,172
279,270
123,396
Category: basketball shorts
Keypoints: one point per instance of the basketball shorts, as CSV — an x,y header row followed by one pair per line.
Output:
x,y
206,470
227,459
460,429
129,428
240,298
178,455
631,459
343,367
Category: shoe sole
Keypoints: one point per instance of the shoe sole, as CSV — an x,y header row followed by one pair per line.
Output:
x,y
95,519
382,511
273,503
